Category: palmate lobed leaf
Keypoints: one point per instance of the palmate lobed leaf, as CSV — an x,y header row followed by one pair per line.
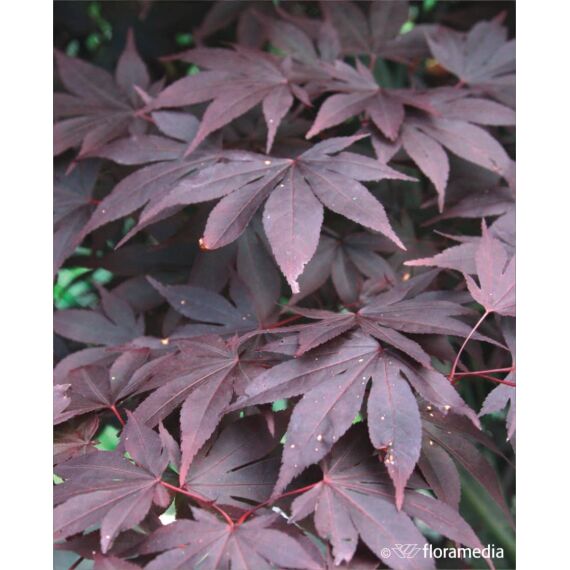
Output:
x,y
404,308
104,488
149,183
496,274
211,544
349,261
481,57
102,107
72,207
295,191
76,440
202,378
237,468
333,381
376,32
236,81
200,304
93,387
112,323
424,123
352,501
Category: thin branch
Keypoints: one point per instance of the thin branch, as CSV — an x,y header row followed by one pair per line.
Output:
x,y
283,322
490,371
247,514
200,500
487,377
454,367
113,408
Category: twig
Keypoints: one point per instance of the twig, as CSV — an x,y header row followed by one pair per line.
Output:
x,y
491,370
113,408
200,500
487,377
454,367
269,501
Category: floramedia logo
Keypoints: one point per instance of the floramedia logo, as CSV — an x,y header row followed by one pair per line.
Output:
x,y
429,551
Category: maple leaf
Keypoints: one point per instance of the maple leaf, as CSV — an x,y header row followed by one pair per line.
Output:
x,y
459,257
256,268
504,395
214,544
441,474
155,180
359,92
295,191
401,309
199,304
99,107
456,437
87,356
334,379
218,17
348,261
87,545
202,378
496,274
353,500
236,468
95,387
462,257
254,286
61,400
454,126
422,122
495,201
72,207
75,439
376,34
236,81
295,37
481,58
105,488
113,322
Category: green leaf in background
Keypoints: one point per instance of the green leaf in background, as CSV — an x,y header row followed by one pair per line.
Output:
x,y
93,41
193,69
94,12
72,48
410,24
279,405
71,290
184,40
108,438
357,419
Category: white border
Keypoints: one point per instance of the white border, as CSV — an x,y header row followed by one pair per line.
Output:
x,y
543,239
26,238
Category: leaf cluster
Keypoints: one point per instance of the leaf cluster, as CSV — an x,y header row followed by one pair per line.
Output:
x,y
307,334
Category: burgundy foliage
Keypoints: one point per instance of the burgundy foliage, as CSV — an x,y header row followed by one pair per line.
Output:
x,y
308,338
